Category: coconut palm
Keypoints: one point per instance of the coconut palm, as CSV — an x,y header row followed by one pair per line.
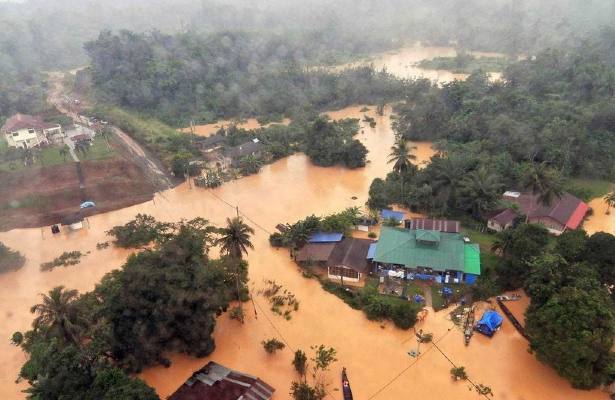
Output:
x,y
58,314
543,181
479,191
609,199
447,174
401,155
234,242
235,239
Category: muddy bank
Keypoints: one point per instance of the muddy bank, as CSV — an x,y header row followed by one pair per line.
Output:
x,y
35,197
375,354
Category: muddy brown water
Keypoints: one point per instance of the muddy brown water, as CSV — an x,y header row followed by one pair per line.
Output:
x,y
374,354
402,63
600,221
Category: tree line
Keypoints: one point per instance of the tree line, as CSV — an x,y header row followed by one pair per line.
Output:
x,y
165,298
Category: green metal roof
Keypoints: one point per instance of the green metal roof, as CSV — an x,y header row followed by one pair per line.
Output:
x,y
428,236
472,259
401,247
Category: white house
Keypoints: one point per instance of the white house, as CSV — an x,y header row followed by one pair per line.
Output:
x,y
26,131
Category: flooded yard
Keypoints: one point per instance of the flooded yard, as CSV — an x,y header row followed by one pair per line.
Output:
x,y
375,354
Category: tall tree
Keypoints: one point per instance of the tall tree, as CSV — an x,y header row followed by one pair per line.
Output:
x,y
235,242
542,181
401,155
480,191
58,315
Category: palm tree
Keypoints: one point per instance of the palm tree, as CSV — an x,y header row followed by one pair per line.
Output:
x,y
447,175
543,181
58,314
234,242
480,191
401,156
503,242
609,199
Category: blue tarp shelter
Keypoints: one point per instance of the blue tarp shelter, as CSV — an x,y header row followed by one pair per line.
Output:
x,y
418,298
489,323
326,237
388,214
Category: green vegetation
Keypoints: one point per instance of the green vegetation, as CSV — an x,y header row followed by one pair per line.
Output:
x,y
140,231
133,317
297,234
459,373
10,260
588,189
465,63
376,306
272,345
283,302
300,362
64,260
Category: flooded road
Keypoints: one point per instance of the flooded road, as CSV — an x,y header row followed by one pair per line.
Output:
x,y
374,354
600,221
402,63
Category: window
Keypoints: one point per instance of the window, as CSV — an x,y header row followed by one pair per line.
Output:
x,y
15,133
30,130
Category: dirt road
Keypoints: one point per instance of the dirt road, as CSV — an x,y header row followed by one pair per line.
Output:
x,y
150,166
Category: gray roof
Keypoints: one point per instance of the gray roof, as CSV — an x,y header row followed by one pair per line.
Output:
x,y
244,150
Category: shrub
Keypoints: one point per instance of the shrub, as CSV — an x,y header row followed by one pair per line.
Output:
x,y
300,362
64,260
272,345
458,373
372,235
10,260
404,314
139,232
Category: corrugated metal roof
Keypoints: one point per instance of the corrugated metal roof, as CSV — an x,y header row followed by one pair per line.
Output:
x,y
399,246
471,263
371,252
325,237
387,214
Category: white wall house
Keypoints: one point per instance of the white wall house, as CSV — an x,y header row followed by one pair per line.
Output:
x,y
26,131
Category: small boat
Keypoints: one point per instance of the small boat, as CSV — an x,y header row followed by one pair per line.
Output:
x,y
346,386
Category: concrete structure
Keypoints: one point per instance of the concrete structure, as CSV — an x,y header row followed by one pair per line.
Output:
x,y
25,131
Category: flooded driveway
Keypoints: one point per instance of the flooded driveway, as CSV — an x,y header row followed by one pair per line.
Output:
x,y
374,354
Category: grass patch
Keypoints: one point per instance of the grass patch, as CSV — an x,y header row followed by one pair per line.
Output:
x,y
588,189
99,150
51,156
484,239
29,201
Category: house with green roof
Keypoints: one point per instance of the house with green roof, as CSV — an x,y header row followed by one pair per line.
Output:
x,y
428,254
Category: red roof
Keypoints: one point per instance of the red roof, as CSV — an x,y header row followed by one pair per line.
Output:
x,y
566,210
24,121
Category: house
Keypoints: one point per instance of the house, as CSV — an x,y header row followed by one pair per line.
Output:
x,y
565,212
349,260
25,131
251,148
319,247
440,225
428,254
502,219
217,382
210,143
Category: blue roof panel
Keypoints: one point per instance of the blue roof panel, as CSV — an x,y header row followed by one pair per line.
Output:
x,y
386,214
326,237
371,252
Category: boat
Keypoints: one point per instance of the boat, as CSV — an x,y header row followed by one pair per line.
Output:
x,y
512,297
346,386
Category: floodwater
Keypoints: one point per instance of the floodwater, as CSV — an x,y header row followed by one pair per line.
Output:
x,y
402,63
248,124
374,354
600,221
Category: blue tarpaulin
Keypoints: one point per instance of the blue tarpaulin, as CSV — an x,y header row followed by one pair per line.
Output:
x,y
489,323
371,251
388,214
418,298
326,237
446,291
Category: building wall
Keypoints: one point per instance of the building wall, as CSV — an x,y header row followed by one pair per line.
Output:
x,y
549,223
349,274
28,137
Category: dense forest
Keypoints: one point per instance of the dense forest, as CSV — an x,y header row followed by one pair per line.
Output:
x,y
188,76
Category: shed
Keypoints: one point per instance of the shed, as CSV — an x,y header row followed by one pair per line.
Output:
x,y
315,252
